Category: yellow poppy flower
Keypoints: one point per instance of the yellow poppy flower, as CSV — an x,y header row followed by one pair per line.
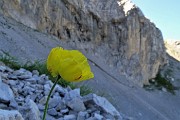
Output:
x,y
71,65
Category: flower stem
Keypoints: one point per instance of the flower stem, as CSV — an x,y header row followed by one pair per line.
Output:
x,y
46,105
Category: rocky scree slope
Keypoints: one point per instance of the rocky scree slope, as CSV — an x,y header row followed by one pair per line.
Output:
x,y
125,40
24,94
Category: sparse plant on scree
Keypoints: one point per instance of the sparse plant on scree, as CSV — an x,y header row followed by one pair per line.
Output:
x,y
74,68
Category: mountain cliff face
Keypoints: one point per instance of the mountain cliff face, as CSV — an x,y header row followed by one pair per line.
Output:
x,y
173,48
125,40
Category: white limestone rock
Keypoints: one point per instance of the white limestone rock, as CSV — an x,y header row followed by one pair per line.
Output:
x,y
7,96
53,102
30,110
10,115
103,103
76,104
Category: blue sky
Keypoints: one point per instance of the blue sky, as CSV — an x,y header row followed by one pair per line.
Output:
x,y
164,13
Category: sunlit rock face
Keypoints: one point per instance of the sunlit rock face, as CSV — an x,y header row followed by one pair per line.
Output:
x,y
114,30
173,48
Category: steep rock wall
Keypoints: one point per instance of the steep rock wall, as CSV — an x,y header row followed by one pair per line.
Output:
x,y
126,41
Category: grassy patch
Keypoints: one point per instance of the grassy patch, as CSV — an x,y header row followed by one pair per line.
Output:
x,y
13,63
162,82
37,65
40,66
10,61
85,90
159,83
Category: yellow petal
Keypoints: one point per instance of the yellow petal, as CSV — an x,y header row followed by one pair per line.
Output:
x,y
68,68
71,65
86,74
53,61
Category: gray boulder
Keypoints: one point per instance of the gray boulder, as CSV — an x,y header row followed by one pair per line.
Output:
x,y
7,96
76,104
70,117
102,103
52,112
72,94
30,110
53,102
10,115
82,115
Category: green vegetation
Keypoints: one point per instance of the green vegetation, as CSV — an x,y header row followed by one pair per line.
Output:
x,y
85,90
41,67
162,82
10,61
159,83
13,63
